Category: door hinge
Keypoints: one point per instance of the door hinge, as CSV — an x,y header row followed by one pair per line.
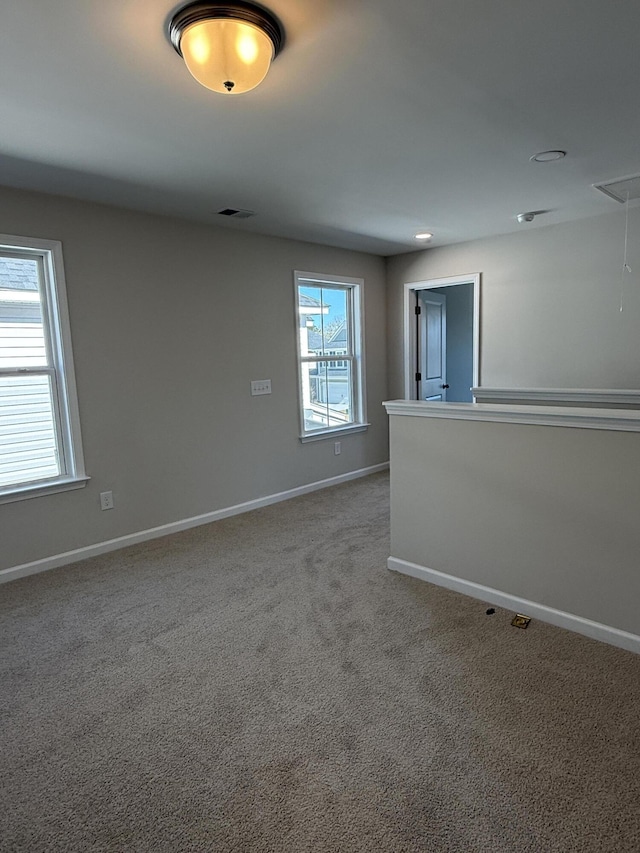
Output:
x,y
418,377
418,310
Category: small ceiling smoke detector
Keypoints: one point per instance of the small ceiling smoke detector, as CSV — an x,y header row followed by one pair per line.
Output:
x,y
236,213
423,235
525,217
548,156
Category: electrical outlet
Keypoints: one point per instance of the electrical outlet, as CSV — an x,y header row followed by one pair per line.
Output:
x,y
260,386
106,500
337,448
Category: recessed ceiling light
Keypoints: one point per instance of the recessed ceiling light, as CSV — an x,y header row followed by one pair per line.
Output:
x,y
547,156
423,235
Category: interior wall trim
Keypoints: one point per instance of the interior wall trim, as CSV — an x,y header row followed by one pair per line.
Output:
x,y
559,618
564,396
621,420
64,559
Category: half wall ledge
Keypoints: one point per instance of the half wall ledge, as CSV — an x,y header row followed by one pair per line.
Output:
x,y
613,398
581,417
496,501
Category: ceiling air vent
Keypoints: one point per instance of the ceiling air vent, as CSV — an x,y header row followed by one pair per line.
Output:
x,y
624,189
236,213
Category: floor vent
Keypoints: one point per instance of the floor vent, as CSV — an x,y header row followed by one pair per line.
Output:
x,y
237,213
622,190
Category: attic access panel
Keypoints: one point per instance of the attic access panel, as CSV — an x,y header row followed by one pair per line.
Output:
x,y
622,190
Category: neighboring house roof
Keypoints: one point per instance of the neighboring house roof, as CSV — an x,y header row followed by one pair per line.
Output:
x,y
309,301
338,335
336,341
311,305
19,301
16,274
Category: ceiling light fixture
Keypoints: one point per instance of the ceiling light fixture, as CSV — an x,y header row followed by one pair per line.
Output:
x,y
227,47
423,235
548,156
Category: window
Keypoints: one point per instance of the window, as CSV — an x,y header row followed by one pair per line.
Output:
x,y
40,450
336,363
330,358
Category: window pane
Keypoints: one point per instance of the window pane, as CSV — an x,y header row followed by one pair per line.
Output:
x,y
28,449
334,327
22,340
313,376
327,395
310,309
324,321
339,395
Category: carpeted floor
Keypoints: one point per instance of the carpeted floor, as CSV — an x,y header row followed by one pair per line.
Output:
x,y
265,684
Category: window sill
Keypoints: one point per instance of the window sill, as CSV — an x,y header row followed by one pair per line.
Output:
x,y
37,490
333,433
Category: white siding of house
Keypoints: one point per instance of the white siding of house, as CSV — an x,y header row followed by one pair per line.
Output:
x,y
28,451
28,448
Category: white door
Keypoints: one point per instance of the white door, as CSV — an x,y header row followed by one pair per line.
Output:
x,y
432,346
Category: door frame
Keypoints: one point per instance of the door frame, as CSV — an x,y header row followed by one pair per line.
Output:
x,y
409,347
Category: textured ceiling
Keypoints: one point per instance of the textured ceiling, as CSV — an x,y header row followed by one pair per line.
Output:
x,y
378,119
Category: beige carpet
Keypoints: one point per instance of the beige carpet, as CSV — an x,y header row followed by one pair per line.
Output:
x,y
265,684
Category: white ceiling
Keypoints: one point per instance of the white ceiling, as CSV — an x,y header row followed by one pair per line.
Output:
x,y
379,118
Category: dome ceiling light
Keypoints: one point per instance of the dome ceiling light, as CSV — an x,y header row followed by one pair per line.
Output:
x,y
227,47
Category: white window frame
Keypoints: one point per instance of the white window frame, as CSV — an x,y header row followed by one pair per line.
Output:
x,y
355,302
55,314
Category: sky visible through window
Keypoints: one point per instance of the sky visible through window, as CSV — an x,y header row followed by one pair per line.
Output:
x,y
334,300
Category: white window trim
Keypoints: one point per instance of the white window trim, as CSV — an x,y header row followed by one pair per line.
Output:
x,y
67,412
360,383
334,432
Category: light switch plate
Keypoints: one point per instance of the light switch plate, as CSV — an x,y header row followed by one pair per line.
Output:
x,y
260,386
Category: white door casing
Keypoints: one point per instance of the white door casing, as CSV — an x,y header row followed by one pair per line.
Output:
x,y
410,337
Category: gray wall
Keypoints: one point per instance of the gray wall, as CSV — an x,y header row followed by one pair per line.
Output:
x,y
170,321
544,513
550,299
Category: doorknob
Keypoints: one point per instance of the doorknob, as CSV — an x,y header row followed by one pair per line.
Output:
x,y
444,386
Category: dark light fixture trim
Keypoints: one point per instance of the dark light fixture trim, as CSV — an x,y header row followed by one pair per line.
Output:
x,y
248,13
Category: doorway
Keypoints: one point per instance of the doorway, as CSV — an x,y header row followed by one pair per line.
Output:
x,y
442,339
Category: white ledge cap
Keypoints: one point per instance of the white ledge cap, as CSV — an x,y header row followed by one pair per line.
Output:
x,y
568,396
561,416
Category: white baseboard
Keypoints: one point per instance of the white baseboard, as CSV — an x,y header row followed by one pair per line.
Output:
x,y
595,630
74,556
